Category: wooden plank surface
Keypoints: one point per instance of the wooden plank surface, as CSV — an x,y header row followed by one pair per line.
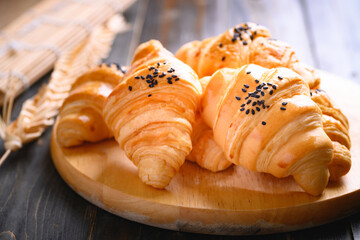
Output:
x,y
35,203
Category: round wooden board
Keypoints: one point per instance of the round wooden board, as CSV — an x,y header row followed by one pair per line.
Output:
x,y
235,201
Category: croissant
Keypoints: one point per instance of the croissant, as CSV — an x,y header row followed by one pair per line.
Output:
x,y
260,117
336,126
243,44
80,118
205,152
151,113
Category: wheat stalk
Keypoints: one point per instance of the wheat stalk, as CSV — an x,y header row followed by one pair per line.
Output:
x,y
38,112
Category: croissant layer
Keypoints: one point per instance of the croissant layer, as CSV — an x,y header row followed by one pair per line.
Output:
x,y
244,44
80,118
152,111
260,117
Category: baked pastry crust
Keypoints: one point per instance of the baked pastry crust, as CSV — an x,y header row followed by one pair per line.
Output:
x,y
261,116
80,118
336,126
152,111
244,44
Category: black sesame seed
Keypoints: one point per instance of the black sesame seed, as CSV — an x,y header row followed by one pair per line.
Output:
x,y
274,87
271,92
245,43
130,88
158,64
223,58
266,87
257,81
237,98
282,108
242,109
263,123
243,89
177,79
148,81
137,77
169,82
262,93
267,106
164,63
149,95
247,111
242,105
245,85
155,82
248,72
284,103
233,39
280,77
251,37
249,101
253,111
174,76
254,103
247,98
142,77
220,45
161,75
258,109
169,78
269,84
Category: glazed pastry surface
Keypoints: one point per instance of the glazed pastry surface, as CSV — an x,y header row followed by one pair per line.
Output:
x,y
244,44
80,118
260,117
152,111
336,127
205,152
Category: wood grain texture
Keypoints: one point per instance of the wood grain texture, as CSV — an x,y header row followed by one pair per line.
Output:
x,y
235,201
30,185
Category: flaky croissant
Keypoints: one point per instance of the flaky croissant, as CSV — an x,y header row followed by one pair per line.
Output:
x,y
80,118
336,127
205,152
265,121
152,111
244,44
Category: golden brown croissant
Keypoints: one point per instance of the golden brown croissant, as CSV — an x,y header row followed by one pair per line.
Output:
x,y
205,152
336,127
243,44
80,118
265,121
152,111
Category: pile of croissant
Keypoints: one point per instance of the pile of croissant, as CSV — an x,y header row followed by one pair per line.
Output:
x,y
239,98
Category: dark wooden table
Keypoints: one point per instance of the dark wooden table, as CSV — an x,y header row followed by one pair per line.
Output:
x,y
35,203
